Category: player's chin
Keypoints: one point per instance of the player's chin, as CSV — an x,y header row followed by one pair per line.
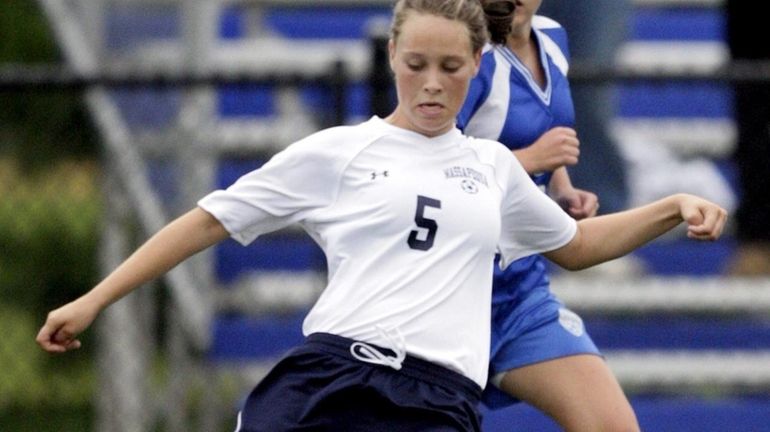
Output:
x,y
433,126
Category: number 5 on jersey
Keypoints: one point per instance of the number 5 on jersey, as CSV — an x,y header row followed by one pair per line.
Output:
x,y
425,223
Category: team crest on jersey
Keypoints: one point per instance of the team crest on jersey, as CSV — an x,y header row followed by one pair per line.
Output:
x,y
470,178
469,186
571,322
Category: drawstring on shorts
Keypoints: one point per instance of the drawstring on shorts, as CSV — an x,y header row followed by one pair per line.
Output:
x,y
395,342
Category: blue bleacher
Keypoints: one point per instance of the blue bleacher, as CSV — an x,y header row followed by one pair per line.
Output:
x,y
671,332
678,23
677,100
681,100
687,257
243,101
271,336
658,413
323,22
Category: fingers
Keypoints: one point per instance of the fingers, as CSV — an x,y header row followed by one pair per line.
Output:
x,y
570,148
54,338
712,222
58,343
555,148
584,204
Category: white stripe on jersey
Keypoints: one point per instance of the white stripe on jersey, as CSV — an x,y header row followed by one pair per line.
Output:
x,y
553,50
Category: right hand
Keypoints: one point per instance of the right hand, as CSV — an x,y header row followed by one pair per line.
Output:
x,y
557,147
63,325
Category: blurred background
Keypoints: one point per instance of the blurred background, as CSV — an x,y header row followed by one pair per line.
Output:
x,y
117,115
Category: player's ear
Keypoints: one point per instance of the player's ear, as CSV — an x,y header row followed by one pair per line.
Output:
x,y
391,54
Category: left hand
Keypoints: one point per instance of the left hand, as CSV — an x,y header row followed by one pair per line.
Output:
x,y
705,220
578,203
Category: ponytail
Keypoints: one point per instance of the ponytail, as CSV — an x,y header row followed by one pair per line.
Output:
x,y
499,14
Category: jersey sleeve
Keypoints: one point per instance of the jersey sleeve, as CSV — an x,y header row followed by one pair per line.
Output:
x,y
531,222
478,91
303,177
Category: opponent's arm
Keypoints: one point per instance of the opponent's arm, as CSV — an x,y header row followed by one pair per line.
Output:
x,y
603,238
180,239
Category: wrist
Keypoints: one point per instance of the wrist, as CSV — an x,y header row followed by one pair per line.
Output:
x,y
525,160
674,210
94,300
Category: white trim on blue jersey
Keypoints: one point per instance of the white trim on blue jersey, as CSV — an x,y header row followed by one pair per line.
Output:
x,y
409,225
550,47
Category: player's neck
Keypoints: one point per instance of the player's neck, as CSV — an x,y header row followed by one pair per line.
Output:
x,y
527,52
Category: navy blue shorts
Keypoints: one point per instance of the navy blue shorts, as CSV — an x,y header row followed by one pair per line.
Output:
x,y
320,386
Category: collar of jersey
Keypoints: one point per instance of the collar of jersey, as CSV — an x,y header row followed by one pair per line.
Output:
x,y
543,94
437,143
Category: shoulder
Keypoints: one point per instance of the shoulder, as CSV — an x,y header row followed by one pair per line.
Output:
x,y
333,145
488,59
488,151
544,23
554,39
490,63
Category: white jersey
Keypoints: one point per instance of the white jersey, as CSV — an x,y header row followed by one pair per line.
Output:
x,y
409,225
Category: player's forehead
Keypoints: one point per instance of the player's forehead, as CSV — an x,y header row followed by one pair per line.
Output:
x,y
424,34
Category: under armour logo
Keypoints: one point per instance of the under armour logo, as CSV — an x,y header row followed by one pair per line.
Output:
x,y
376,174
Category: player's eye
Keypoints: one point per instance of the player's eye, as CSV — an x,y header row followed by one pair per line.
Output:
x,y
415,66
451,67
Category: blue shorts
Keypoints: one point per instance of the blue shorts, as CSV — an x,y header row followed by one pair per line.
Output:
x,y
535,330
320,386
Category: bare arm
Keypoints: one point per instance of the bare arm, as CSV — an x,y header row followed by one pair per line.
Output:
x,y
603,238
192,232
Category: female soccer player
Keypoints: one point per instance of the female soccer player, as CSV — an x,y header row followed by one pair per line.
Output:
x,y
409,213
541,353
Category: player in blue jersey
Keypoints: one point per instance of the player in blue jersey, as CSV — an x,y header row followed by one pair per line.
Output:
x,y
541,353
409,212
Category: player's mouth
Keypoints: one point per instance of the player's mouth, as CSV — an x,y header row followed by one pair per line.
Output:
x,y
430,108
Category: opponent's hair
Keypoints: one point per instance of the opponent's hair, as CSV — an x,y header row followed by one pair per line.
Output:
x,y
499,14
468,12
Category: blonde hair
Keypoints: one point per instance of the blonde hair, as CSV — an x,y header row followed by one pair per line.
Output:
x,y
468,12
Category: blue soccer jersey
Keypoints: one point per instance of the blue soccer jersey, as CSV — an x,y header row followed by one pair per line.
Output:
x,y
505,103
